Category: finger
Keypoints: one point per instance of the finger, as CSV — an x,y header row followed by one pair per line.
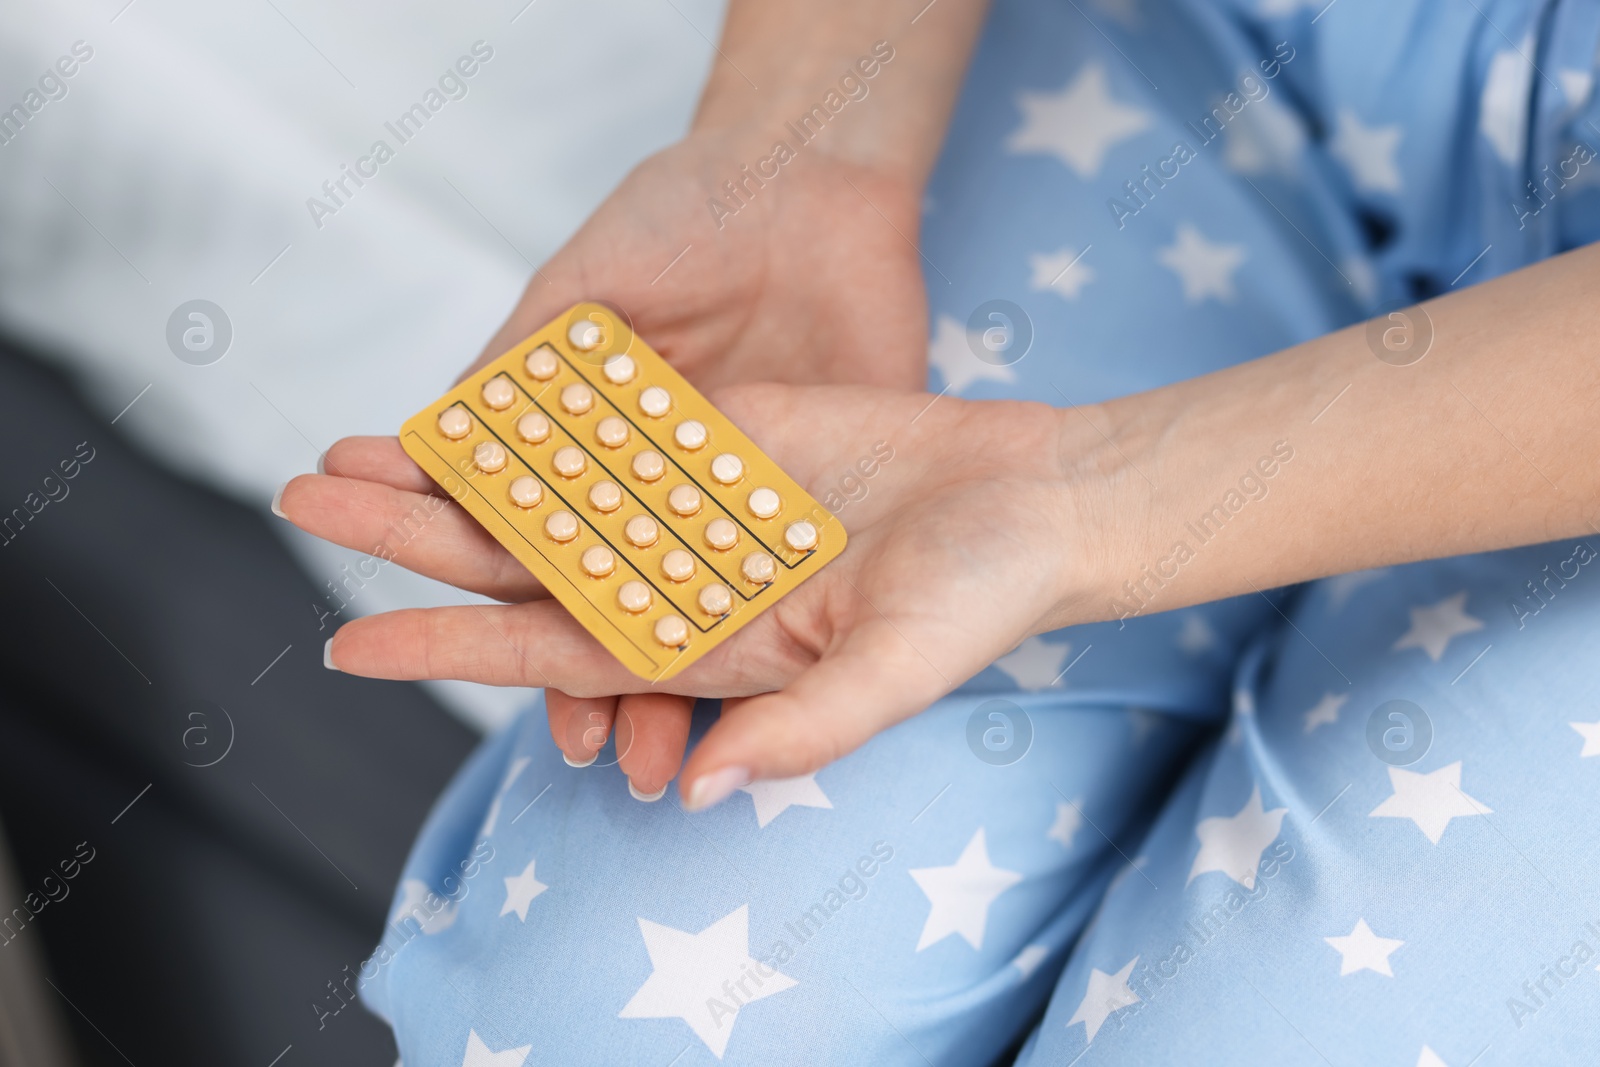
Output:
x,y
377,459
579,725
652,732
875,679
536,644
427,534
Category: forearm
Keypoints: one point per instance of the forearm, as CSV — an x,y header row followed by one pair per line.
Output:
x,y
777,61
1323,459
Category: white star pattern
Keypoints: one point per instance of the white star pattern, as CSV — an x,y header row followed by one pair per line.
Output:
x,y
1029,958
520,892
1363,950
705,979
1068,823
1367,152
1106,993
1429,800
1062,272
1430,1058
952,353
1204,268
479,1055
1590,732
1503,107
413,906
1265,136
1432,627
1576,85
1036,663
494,806
1079,124
1233,844
775,796
959,895
1326,713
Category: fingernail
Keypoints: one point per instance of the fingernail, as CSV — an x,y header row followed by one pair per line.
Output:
x,y
715,787
277,501
647,798
574,763
322,468
327,655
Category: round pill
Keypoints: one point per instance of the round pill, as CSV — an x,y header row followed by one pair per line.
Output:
x,y
542,363
569,462
534,428
727,468
721,534
585,335
684,500
672,631
633,597
526,492
759,568
455,423
655,401
489,457
678,565
498,392
648,465
800,536
577,398
764,503
690,434
620,369
715,599
641,531
611,432
597,561
561,527
605,496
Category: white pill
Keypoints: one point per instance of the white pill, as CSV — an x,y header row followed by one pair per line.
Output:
x,y
577,398
585,335
655,401
597,561
569,462
641,531
684,500
800,536
605,497
690,434
764,503
633,597
561,527
542,363
611,432
716,599
721,534
526,492
672,631
758,568
498,392
727,468
620,369
648,466
534,428
455,423
678,565
489,457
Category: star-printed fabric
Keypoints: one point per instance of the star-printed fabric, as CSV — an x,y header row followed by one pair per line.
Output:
x,y
1349,823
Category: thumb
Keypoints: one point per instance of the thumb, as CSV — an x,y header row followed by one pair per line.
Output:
x,y
872,681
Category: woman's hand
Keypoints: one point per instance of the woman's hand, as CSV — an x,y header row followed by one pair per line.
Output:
x,y
970,538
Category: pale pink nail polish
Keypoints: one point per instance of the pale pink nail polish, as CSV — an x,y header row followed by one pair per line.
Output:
x,y
715,787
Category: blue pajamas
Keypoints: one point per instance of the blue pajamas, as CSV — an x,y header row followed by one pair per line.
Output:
x,y
1349,823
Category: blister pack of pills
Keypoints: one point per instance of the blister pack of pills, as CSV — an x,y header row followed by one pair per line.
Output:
x,y
647,513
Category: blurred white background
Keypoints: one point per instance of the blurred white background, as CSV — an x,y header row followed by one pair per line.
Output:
x,y
178,164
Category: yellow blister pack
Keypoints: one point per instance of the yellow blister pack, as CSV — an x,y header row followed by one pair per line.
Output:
x,y
647,513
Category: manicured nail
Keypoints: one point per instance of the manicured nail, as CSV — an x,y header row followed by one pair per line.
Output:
x,y
715,787
574,763
322,468
277,501
327,655
647,798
